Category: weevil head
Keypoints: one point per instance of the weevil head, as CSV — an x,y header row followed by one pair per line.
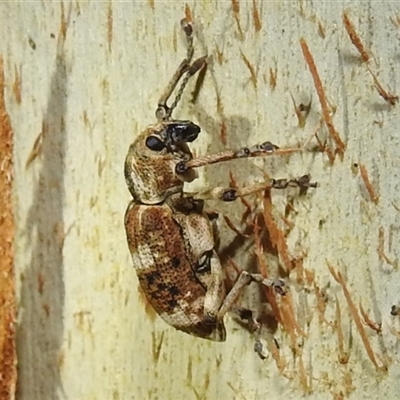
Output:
x,y
152,157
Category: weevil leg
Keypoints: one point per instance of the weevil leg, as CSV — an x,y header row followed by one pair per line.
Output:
x,y
253,326
215,290
246,315
259,150
164,112
231,194
245,279
259,349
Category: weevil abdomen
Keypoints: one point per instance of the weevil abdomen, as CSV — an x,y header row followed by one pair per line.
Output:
x,y
166,269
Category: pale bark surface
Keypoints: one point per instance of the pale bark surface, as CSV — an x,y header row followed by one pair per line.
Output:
x,y
89,75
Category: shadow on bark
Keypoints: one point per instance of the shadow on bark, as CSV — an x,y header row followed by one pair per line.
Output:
x,y
40,331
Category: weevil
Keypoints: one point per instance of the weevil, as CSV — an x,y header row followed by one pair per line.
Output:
x,y
170,234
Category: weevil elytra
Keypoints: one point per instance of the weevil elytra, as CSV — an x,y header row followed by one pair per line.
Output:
x,y
170,234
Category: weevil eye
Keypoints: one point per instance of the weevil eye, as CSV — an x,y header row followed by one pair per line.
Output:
x,y
204,264
183,132
154,143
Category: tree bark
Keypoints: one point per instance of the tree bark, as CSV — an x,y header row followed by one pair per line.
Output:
x,y
82,81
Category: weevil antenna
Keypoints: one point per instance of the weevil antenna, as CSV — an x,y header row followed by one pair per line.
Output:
x,y
188,29
185,70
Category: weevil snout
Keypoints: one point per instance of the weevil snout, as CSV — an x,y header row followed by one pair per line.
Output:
x,y
174,134
182,132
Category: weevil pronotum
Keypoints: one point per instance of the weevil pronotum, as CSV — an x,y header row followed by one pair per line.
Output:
x,y
169,232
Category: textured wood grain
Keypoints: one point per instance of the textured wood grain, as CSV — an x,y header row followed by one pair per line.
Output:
x,y
8,359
